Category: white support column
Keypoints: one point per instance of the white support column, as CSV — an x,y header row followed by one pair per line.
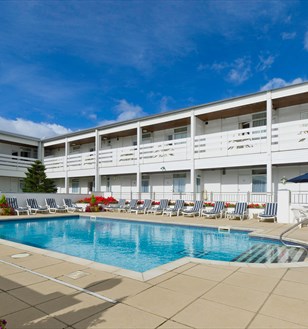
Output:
x,y
269,110
138,174
97,175
283,211
66,181
40,151
192,155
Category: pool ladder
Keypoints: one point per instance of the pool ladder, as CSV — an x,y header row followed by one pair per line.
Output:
x,y
300,223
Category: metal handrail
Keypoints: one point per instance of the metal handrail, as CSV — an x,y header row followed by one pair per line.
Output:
x,y
290,229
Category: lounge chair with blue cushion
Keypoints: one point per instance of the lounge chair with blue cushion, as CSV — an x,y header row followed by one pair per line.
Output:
x,y
163,204
132,205
142,209
120,206
217,211
53,207
240,211
270,212
12,202
34,207
195,211
70,206
176,210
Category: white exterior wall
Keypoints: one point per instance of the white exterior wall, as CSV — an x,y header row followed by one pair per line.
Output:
x,y
292,113
232,155
9,184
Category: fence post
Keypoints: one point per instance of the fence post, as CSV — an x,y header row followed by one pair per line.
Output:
x,y
248,197
284,202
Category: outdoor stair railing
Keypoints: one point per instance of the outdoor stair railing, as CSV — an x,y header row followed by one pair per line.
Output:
x,y
300,223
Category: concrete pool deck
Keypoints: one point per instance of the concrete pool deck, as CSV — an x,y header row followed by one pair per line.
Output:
x,y
192,295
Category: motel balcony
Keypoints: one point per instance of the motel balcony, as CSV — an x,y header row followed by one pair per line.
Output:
x,y
234,148
14,166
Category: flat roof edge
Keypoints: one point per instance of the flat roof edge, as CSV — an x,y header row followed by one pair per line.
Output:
x,y
191,108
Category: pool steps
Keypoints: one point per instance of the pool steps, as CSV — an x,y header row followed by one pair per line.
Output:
x,y
261,253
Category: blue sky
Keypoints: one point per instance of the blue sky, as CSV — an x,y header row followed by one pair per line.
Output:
x,y
71,65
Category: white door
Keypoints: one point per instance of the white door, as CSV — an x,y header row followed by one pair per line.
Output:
x,y
244,183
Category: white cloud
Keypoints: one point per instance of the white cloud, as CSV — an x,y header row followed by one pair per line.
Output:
x,y
30,128
306,41
265,62
288,35
126,111
240,71
164,103
279,83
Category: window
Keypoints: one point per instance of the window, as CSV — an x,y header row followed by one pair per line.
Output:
x,y
244,125
259,180
75,148
146,138
180,133
259,119
145,184
75,186
179,181
25,153
108,185
198,184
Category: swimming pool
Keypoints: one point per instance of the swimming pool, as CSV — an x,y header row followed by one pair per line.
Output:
x,y
137,246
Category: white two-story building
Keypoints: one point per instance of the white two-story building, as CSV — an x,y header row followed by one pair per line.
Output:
x,y
17,153
242,146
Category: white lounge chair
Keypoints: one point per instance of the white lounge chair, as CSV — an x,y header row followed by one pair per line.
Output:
x,y
217,211
195,211
240,211
142,208
12,202
53,207
132,205
34,207
176,210
270,212
163,204
70,206
120,206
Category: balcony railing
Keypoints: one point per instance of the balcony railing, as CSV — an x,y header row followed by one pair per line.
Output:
x,y
15,163
236,142
285,136
81,161
54,164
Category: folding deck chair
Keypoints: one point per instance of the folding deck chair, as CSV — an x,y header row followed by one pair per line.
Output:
x,y
34,207
176,210
12,202
163,204
195,211
132,205
240,211
142,209
216,212
270,212
70,206
53,207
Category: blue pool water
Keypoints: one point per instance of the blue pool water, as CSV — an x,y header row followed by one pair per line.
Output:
x,y
127,244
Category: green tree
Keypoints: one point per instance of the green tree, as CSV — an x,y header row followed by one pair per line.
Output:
x,y
36,180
